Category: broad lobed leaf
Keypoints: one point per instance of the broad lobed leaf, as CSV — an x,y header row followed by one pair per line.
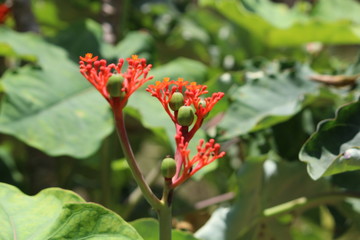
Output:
x,y
276,25
44,106
55,213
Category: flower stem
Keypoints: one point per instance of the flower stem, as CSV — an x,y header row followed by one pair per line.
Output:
x,y
163,206
164,213
165,222
130,158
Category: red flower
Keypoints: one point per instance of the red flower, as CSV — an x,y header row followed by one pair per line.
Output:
x,y
192,93
4,10
98,72
206,154
192,96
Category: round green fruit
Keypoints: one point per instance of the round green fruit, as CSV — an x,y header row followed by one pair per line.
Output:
x,y
185,115
168,167
176,101
114,85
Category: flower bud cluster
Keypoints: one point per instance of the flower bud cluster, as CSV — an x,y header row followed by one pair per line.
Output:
x,y
183,102
115,85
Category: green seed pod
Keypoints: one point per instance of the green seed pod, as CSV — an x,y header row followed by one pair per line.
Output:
x,y
168,167
114,85
176,101
185,115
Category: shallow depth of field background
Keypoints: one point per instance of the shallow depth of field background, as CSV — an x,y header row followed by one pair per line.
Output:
x,y
57,131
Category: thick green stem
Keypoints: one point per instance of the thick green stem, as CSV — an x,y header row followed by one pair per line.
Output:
x,y
164,213
165,222
129,155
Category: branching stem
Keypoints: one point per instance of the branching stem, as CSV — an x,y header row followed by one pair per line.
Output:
x,y
130,158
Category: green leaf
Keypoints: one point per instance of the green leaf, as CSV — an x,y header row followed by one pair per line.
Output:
x,y
148,229
267,101
55,213
334,147
188,69
337,10
133,43
261,186
276,25
81,38
46,106
87,37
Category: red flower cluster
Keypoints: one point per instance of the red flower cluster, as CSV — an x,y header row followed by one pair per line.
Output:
x,y
192,97
206,154
98,72
192,92
4,10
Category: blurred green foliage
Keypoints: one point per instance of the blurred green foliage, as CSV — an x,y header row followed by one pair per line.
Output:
x,y
56,130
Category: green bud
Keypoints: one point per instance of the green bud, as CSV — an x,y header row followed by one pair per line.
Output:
x,y
202,102
114,85
168,167
176,101
185,115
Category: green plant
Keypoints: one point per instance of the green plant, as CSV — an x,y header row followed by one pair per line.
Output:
x,y
288,121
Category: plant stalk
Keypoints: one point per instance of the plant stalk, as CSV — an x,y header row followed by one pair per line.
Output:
x,y
165,222
164,213
130,158
163,206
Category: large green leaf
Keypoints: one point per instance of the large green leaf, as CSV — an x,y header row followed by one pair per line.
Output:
x,y
133,43
188,69
261,186
57,214
148,229
51,107
335,146
266,101
276,25
87,36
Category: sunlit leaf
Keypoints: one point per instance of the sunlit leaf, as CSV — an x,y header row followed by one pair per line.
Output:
x,y
55,213
335,146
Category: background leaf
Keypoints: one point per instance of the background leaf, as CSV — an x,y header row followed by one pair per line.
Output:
x,y
267,100
266,189
324,151
44,106
278,25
